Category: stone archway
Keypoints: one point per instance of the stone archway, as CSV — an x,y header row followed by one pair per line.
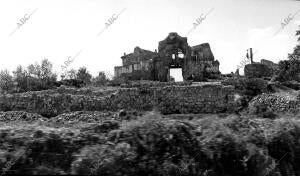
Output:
x,y
173,53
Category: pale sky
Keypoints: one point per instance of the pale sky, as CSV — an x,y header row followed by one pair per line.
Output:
x,y
59,29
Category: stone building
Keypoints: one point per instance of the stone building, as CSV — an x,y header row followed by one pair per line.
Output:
x,y
264,68
136,65
197,62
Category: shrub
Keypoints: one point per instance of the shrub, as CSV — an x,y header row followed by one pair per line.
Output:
x,y
100,79
289,70
69,74
84,75
106,160
284,146
72,83
261,110
158,146
118,81
148,146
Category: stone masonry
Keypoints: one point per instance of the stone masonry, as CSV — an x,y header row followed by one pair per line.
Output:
x,y
197,62
169,99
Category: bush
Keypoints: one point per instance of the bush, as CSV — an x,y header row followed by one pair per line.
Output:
x,y
289,70
148,146
261,110
84,75
153,145
118,81
71,83
156,146
284,146
100,79
69,74
105,160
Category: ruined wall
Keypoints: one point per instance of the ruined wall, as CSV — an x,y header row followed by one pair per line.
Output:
x,y
265,68
202,52
123,69
140,60
269,63
257,70
213,66
194,71
196,99
197,62
138,55
134,70
138,75
171,99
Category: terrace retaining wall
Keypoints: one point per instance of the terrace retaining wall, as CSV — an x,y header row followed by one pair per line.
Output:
x,y
168,100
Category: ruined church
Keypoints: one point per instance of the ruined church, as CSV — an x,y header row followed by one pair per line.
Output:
x,y
197,62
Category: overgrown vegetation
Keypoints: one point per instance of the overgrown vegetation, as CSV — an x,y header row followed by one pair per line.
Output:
x,y
290,69
156,145
33,78
263,142
38,77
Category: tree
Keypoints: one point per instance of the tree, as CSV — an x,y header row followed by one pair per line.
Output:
x,y
84,75
296,52
109,75
42,71
20,77
100,80
290,69
6,81
46,70
297,48
34,70
36,77
69,74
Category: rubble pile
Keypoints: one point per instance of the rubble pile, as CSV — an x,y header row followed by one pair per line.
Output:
x,y
95,116
18,116
84,116
277,102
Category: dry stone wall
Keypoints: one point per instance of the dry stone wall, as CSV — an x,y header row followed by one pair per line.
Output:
x,y
170,99
196,99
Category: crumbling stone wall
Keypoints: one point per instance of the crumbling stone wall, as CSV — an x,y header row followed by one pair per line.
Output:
x,y
196,99
170,99
257,70
197,62
138,61
273,66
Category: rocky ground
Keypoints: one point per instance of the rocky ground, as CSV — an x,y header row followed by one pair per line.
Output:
x,y
259,140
